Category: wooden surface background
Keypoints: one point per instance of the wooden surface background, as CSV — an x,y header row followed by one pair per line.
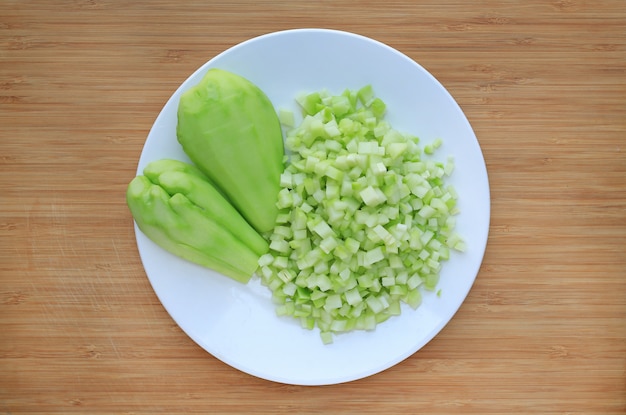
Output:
x,y
543,84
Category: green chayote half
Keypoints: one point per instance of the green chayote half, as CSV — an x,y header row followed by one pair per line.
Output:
x,y
177,207
230,130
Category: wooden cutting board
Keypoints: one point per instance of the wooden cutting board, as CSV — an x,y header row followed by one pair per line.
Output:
x,y
543,330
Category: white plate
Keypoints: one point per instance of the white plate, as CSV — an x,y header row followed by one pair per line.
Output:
x,y
237,323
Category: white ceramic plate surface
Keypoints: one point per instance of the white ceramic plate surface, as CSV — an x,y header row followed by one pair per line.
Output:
x,y
236,323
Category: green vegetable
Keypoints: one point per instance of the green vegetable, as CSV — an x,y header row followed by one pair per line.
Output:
x,y
365,218
230,130
176,206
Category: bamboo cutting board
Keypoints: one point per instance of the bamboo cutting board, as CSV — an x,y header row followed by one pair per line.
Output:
x,y
543,330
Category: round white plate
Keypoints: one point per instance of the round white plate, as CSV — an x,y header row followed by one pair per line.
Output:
x,y
236,323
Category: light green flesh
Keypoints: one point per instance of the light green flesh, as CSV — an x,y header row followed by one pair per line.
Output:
x,y
178,209
178,177
365,217
229,129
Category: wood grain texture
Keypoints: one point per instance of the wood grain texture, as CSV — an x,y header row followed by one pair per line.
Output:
x,y
544,328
